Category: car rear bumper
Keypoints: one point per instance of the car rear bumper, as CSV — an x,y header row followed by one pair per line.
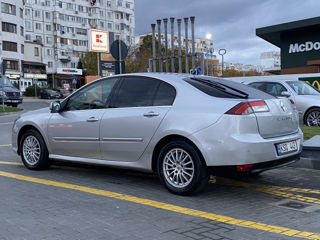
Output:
x,y
238,143
256,168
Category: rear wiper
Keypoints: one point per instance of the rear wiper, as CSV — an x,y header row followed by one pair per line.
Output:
x,y
223,88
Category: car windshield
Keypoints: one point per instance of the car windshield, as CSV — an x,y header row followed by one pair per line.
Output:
x,y
51,92
5,82
302,88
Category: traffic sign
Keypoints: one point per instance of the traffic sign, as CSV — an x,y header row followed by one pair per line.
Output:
x,y
74,80
199,70
114,50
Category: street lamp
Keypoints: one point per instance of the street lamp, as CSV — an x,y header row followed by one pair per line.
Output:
x,y
222,52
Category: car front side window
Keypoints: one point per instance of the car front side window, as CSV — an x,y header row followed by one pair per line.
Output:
x,y
93,96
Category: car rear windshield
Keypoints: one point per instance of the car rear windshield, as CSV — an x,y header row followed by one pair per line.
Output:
x,y
215,90
223,88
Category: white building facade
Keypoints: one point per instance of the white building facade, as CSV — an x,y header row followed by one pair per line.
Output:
x,y
12,37
270,61
63,26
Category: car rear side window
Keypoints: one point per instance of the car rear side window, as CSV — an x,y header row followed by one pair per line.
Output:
x,y
135,92
272,88
165,95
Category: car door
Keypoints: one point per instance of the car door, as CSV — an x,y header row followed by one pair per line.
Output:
x,y
136,111
75,131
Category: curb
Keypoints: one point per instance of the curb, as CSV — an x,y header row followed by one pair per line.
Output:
x,y
310,158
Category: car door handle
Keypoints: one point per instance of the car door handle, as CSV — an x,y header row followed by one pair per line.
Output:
x,y
151,114
92,119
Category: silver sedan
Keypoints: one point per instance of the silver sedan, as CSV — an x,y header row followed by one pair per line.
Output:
x,y
305,97
182,127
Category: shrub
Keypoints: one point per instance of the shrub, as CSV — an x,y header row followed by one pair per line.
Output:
x,y
30,91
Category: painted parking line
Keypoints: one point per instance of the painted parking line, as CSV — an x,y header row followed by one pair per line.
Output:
x,y
169,207
5,145
11,163
284,192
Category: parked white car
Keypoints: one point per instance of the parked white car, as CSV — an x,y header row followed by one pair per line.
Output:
x,y
305,97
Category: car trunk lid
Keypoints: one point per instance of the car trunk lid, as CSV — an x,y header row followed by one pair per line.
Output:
x,y
281,120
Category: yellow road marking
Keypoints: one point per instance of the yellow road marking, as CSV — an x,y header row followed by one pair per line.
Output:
x,y
275,190
11,163
5,145
169,207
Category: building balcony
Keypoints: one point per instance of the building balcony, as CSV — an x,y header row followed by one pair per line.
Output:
x,y
65,59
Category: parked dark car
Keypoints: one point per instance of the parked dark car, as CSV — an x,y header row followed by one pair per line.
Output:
x,y
8,93
64,92
50,94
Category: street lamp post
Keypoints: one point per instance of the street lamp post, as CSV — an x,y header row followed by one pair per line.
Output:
x,y
222,52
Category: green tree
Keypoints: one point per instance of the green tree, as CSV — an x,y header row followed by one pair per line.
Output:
x,y
89,64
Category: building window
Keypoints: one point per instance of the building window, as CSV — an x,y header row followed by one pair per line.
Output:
x,y
12,65
49,40
48,27
22,48
21,31
8,8
48,3
38,26
36,51
50,64
82,43
109,4
110,26
27,12
9,27
49,52
48,15
28,25
120,3
37,14
38,38
73,65
9,46
127,5
21,12
28,37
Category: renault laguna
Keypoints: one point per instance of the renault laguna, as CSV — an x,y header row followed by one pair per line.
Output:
x,y
182,127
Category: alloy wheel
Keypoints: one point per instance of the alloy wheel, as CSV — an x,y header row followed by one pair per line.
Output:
x,y
31,150
178,168
313,118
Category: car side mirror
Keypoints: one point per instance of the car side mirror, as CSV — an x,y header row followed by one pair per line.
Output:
x,y
285,94
55,107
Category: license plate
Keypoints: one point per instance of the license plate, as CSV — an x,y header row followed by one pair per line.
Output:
x,y
287,147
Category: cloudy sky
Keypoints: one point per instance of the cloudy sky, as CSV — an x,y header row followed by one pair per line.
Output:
x,y
232,23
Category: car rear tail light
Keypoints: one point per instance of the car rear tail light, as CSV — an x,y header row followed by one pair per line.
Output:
x,y
292,102
245,108
244,168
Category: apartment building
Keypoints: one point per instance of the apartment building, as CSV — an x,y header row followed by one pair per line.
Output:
x,y
62,27
12,37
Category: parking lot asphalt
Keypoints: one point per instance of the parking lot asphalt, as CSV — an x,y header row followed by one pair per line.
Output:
x,y
76,201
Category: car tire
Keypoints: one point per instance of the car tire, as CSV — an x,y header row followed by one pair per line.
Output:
x,y
181,168
14,105
34,152
312,117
